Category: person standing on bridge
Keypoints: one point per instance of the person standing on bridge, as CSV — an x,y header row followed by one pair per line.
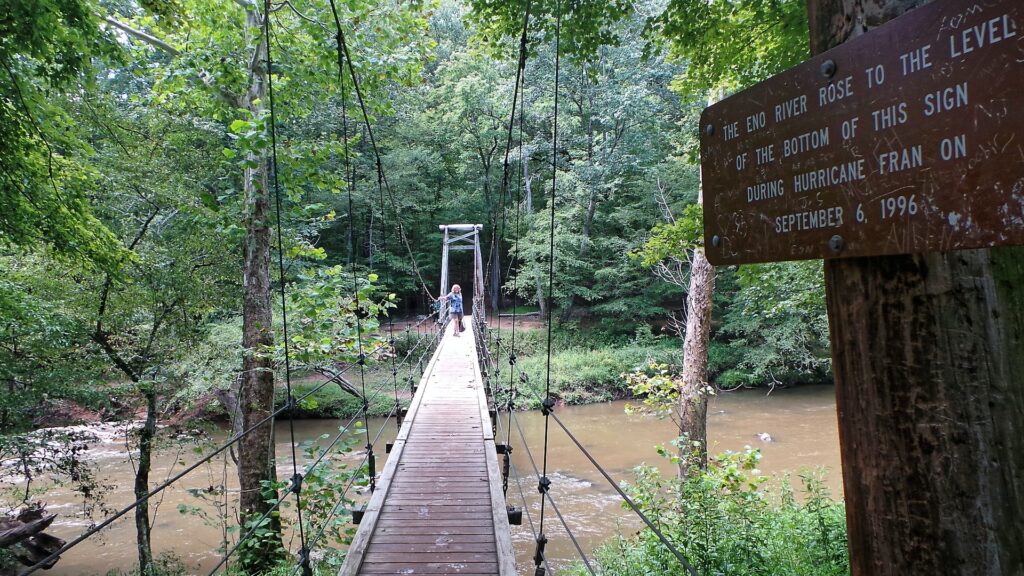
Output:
x,y
455,307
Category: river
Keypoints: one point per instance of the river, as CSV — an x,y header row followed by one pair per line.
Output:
x,y
801,423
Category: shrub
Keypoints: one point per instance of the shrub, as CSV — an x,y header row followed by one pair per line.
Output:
x,y
725,521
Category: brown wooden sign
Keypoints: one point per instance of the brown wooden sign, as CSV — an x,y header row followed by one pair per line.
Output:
x,y
909,138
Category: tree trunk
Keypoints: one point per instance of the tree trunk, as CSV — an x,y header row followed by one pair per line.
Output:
x,y
693,398
539,285
928,355
495,287
588,223
142,529
256,393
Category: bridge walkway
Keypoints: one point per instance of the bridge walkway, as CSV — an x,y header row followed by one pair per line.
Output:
x,y
439,507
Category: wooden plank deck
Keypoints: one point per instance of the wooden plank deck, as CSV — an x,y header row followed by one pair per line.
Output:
x,y
439,507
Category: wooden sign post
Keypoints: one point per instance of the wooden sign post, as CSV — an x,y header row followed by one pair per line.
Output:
x,y
928,343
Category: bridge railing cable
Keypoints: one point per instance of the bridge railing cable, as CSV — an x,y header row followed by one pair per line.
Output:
x,y
295,485
170,481
290,404
540,556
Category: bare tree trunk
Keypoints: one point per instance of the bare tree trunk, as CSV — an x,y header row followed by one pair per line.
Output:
x,y
541,302
495,287
693,398
256,393
142,527
928,355
588,223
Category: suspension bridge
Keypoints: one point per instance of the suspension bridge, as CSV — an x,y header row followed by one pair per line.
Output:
x,y
441,503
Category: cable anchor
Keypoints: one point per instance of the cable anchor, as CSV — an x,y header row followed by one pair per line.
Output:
x,y
543,485
538,556
296,485
304,562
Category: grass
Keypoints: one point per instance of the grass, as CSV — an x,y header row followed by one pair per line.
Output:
x,y
585,368
520,310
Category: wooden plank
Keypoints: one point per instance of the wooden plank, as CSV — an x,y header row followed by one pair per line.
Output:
x,y
354,557
428,557
461,568
438,522
430,547
440,514
388,537
435,528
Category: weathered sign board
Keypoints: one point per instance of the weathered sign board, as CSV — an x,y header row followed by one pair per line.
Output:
x,y
909,138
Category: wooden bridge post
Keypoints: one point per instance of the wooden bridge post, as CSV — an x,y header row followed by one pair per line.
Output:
x,y
442,312
928,354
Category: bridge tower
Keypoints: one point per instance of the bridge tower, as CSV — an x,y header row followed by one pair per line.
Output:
x,y
463,237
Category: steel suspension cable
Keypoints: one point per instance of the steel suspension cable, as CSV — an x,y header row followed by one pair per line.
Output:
x,y
657,531
341,497
361,357
544,483
497,237
167,483
296,477
515,271
345,58
296,483
387,282
545,495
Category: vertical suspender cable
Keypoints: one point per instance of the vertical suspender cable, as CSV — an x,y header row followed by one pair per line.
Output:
x,y
520,96
515,276
520,70
350,171
544,484
296,483
388,280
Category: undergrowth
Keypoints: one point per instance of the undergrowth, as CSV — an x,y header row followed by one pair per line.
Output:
x,y
585,367
726,521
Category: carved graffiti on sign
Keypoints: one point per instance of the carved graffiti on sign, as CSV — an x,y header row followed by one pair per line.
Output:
x,y
909,138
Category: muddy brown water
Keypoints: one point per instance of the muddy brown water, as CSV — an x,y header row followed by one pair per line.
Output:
x,y
801,423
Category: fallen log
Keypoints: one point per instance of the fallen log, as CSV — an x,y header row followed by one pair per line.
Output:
x,y
13,531
26,537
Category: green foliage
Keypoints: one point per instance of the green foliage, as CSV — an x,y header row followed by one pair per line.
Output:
x,y
333,402
326,509
674,239
44,189
333,322
658,387
727,520
777,326
731,44
587,25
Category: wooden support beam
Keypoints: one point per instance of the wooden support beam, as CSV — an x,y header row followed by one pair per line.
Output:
x,y
928,354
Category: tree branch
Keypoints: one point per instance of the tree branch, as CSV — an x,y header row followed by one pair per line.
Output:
x,y
204,76
140,35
